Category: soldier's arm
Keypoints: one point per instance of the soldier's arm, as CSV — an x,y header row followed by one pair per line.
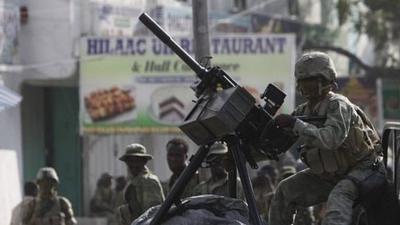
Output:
x,y
334,131
66,208
123,214
27,212
199,189
152,194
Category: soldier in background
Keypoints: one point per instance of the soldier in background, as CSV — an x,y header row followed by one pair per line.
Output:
x,y
143,190
217,184
263,192
101,205
120,183
48,208
177,150
304,215
269,171
30,192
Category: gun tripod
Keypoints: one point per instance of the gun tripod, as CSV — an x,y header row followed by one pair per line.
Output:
x,y
234,144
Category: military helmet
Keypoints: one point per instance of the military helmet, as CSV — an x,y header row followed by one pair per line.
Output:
x,y
314,64
47,173
216,154
218,148
135,150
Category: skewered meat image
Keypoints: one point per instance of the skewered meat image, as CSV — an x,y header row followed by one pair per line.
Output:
x,y
106,103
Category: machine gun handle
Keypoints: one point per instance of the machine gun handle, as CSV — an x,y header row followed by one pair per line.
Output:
x,y
166,39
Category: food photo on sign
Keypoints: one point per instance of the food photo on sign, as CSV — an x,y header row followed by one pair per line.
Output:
x,y
112,104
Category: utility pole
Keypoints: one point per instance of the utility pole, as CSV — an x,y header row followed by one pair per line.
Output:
x,y
201,39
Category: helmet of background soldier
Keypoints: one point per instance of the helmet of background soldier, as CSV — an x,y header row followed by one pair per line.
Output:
x,y
286,171
47,173
315,64
218,148
135,150
216,153
104,180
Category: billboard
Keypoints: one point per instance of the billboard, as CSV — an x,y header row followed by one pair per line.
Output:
x,y
137,84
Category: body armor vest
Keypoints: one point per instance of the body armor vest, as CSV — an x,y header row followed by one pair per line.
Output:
x,y
362,141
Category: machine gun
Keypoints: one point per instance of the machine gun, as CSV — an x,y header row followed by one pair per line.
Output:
x,y
223,107
225,111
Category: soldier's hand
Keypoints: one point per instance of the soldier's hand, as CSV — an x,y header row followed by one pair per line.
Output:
x,y
285,121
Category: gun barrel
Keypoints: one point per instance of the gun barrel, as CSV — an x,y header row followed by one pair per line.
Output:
x,y
166,39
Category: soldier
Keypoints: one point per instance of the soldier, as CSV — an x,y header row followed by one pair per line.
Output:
x,y
341,152
263,192
304,215
217,184
120,183
143,190
48,208
30,192
101,205
177,149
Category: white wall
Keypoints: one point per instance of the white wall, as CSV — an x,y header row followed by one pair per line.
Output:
x,y
10,187
48,41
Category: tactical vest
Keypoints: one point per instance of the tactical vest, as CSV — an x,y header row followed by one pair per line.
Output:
x,y
48,215
361,143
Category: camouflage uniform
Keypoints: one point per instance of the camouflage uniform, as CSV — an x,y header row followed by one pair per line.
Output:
x,y
217,187
143,190
54,211
263,192
49,210
217,158
339,148
18,211
141,193
193,182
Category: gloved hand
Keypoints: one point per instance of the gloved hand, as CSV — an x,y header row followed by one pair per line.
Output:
x,y
285,121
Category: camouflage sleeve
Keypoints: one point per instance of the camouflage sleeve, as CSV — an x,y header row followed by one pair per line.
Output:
x,y
165,187
199,189
152,194
334,131
27,211
66,208
123,215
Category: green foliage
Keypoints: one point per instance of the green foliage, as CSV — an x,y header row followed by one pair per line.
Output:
x,y
380,21
319,34
344,10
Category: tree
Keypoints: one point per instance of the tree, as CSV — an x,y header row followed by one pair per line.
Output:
x,y
380,21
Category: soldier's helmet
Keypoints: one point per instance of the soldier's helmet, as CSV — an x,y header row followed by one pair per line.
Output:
x,y
135,150
47,173
218,148
216,153
315,64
